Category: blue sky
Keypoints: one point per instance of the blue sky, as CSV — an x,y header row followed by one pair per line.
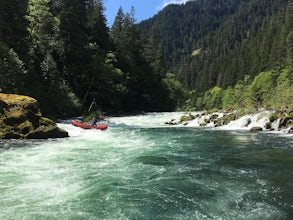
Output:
x,y
144,8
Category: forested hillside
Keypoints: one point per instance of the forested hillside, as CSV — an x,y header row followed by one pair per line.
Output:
x,y
201,55
215,47
62,53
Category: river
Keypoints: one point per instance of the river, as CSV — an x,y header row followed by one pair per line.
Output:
x,y
139,168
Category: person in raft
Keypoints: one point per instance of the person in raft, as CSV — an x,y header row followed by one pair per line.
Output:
x,y
94,121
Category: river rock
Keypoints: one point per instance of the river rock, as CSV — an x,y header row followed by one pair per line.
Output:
x,y
256,129
172,122
20,117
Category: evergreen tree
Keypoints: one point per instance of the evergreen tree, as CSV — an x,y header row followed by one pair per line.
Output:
x,y
13,46
97,29
73,31
142,77
43,29
45,80
117,25
13,26
289,40
2,17
102,81
12,71
154,52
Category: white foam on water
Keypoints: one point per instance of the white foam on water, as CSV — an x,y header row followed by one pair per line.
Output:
x,y
148,120
246,122
249,121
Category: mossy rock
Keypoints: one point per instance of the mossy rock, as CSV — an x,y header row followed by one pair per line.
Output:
x,y
215,121
228,118
10,135
14,120
207,120
185,118
204,113
214,116
21,118
17,99
256,129
172,122
46,121
218,123
268,125
3,107
286,122
273,117
25,127
44,132
248,122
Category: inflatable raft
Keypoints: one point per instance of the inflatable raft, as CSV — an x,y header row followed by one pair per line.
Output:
x,y
88,126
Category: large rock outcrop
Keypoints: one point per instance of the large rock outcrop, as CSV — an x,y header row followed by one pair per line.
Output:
x,y
20,117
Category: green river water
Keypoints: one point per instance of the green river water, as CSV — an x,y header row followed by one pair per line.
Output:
x,y
141,169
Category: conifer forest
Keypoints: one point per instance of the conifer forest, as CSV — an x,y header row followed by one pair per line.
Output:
x,y
205,54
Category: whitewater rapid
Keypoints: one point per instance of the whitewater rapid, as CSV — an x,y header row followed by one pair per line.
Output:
x,y
148,120
143,168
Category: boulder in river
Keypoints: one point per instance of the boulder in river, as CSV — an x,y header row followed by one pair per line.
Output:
x,y
20,117
256,129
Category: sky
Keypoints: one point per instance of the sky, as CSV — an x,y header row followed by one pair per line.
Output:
x,y
144,9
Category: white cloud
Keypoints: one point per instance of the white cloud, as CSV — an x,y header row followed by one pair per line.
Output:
x,y
168,2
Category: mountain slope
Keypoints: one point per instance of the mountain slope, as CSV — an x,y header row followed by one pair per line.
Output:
x,y
218,42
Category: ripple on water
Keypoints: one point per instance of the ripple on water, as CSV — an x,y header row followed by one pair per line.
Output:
x,y
145,172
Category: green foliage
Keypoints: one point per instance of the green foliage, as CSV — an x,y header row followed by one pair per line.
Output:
x,y
154,52
176,91
43,35
88,116
13,26
238,96
58,101
12,71
260,89
74,37
72,59
283,93
217,94
242,41
191,102
96,24
211,99
62,53
236,39
270,89
228,99
142,68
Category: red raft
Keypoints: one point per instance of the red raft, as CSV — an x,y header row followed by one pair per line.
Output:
x,y
88,126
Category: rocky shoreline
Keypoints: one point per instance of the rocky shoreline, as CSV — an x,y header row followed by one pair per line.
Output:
x,y
261,121
20,118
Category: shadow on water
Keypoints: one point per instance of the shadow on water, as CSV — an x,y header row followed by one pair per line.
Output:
x,y
12,144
